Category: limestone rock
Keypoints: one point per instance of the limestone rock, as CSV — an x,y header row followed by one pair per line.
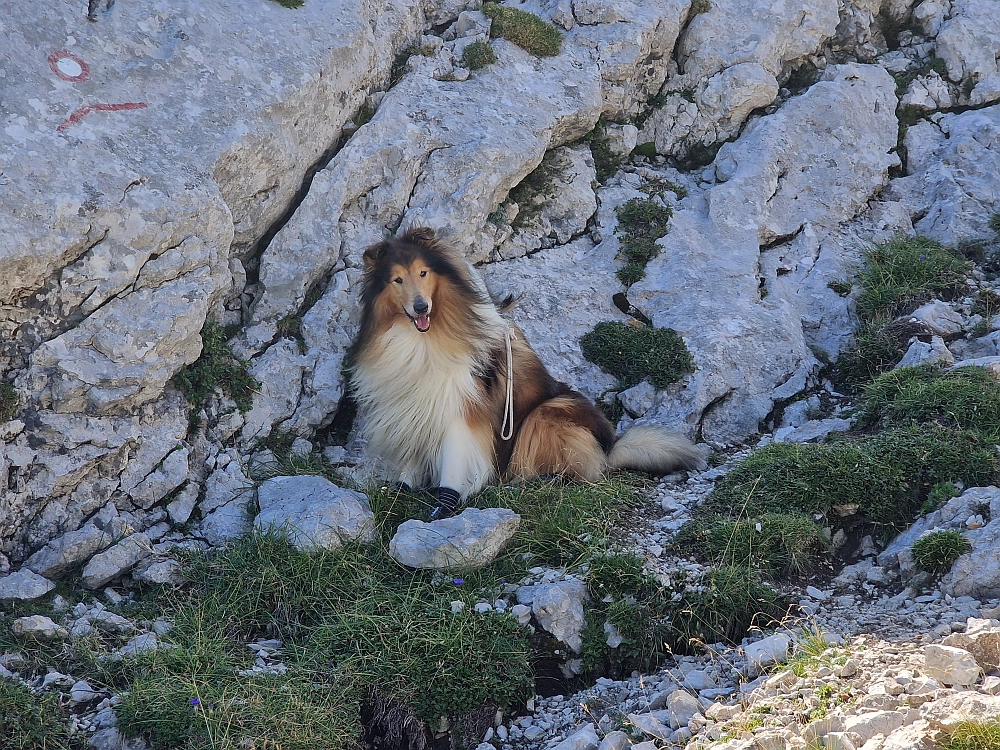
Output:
x,y
681,706
981,638
573,284
562,211
978,572
649,724
950,515
68,550
768,650
738,31
940,318
558,607
932,352
775,185
927,92
951,173
969,41
720,107
468,540
950,665
313,512
615,740
115,561
279,370
876,722
945,713
584,738
169,475
24,585
38,627
159,572
180,508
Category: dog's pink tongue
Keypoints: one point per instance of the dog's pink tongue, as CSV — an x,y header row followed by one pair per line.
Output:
x,y
423,323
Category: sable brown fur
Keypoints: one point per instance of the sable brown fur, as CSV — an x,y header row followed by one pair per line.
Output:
x,y
429,370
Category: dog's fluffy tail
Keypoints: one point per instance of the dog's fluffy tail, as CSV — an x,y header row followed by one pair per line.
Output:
x,y
656,450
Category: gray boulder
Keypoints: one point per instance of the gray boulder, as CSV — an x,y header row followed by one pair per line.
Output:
x,y
68,550
24,585
39,628
558,607
313,512
105,566
469,540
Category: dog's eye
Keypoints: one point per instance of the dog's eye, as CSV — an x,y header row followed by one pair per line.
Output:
x,y
423,273
398,280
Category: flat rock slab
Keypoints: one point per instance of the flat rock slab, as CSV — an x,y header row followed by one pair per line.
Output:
x,y
469,540
313,512
24,585
39,628
105,566
946,712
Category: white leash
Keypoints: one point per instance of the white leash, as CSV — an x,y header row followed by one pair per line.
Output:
x,y
507,428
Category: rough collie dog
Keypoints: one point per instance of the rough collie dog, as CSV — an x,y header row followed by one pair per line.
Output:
x,y
429,371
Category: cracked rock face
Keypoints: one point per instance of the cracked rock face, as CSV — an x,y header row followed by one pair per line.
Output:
x,y
951,174
192,163
786,175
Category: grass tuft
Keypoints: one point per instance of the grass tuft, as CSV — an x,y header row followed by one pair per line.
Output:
x,y
776,544
478,55
31,722
217,367
606,161
973,735
965,398
904,273
633,353
526,30
885,478
994,222
898,276
937,551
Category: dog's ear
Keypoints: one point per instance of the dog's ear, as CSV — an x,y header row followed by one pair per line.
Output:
x,y
374,254
420,236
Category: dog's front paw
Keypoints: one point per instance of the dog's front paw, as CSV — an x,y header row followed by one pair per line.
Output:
x,y
445,505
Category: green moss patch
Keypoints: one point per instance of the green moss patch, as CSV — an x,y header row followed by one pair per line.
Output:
x,y
937,551
217,367
526,30
641,222
633,353
9,402
478,55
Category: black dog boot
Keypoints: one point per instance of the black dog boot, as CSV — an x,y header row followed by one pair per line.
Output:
x,y
446,503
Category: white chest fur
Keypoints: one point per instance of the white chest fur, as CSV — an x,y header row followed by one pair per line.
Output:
x,y
414,394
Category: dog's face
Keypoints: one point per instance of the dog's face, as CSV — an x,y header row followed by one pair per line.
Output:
x,y
411,289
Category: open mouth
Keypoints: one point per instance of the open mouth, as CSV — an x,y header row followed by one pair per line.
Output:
x,y
422,322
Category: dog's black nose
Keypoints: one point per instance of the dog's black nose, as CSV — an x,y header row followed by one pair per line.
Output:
x,y
420,306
